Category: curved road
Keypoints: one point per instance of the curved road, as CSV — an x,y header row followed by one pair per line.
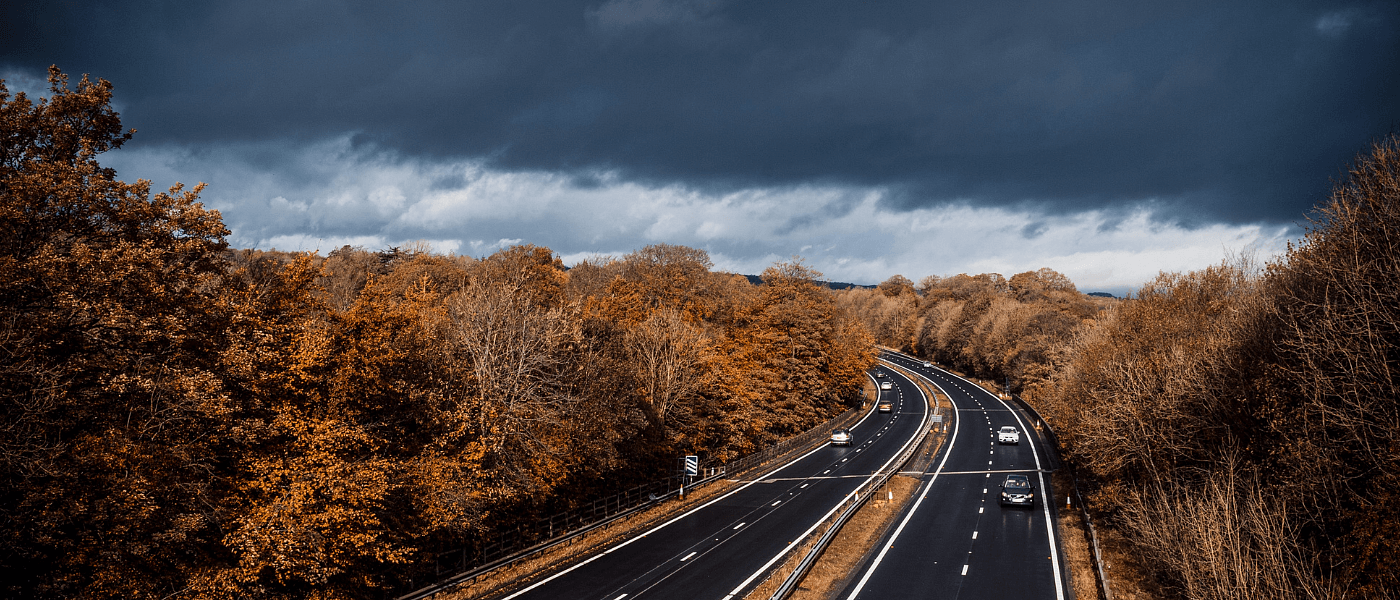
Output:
x,y
956,541
720,549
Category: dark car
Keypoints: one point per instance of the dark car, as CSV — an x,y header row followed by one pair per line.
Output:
x,y
1017,491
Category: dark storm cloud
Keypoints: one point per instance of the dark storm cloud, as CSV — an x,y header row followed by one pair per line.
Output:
x,y
1236,111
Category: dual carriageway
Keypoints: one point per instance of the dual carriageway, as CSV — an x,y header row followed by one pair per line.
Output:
x,y
952,541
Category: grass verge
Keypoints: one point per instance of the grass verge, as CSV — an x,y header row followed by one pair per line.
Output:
x,y
1074,540
1128,578
856,539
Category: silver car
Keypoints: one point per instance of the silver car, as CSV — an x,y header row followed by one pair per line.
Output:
x,y
841,437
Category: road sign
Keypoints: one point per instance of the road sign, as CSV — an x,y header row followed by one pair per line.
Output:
x,y
692,465
937,418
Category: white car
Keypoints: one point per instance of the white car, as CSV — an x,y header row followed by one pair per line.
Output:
x,y
928,365
886,385
1008,435
841,437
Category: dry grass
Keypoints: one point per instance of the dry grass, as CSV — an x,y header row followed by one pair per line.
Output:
x,y
857,538
1127,577
1074,540
768,586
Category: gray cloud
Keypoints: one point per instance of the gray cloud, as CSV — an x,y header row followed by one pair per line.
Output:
x,y
337,192
1211,111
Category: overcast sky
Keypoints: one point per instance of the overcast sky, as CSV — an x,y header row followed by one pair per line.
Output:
x,y
1108,140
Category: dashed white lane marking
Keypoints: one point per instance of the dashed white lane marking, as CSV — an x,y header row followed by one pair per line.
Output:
x,y
740,525
688,556
964,570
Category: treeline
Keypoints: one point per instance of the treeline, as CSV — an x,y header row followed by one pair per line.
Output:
x,y
1239,424
186,420
985,324
1243,421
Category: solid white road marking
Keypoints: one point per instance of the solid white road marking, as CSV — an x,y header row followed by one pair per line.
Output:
x,y
910,515
814,526
659,527
1045,506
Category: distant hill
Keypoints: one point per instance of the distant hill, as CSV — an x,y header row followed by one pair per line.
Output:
x,y
835,285
1102,294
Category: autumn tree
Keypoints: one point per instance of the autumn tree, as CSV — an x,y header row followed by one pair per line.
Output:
x,y
896,285
107,321
185,419
1339,311
670,358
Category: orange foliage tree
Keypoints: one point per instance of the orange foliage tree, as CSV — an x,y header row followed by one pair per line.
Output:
x,y
185,419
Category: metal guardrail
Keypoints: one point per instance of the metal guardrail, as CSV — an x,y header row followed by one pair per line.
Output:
x,y
857,500
1097,556
617,507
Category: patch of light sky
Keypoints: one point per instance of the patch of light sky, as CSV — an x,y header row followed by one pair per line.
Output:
x,y
330,194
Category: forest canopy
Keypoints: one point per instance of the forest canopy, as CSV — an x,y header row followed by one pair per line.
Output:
x,y
185,419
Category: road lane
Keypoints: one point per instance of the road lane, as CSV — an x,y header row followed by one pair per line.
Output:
x,y
956,541
720,548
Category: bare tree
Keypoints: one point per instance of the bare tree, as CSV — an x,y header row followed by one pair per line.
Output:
x,y
517,362
669,357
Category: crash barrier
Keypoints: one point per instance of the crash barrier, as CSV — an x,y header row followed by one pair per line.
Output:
x,y
467,564
855,500
1054,440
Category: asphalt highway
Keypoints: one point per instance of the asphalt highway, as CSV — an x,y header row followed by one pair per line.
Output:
x,y
721,549
955,540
